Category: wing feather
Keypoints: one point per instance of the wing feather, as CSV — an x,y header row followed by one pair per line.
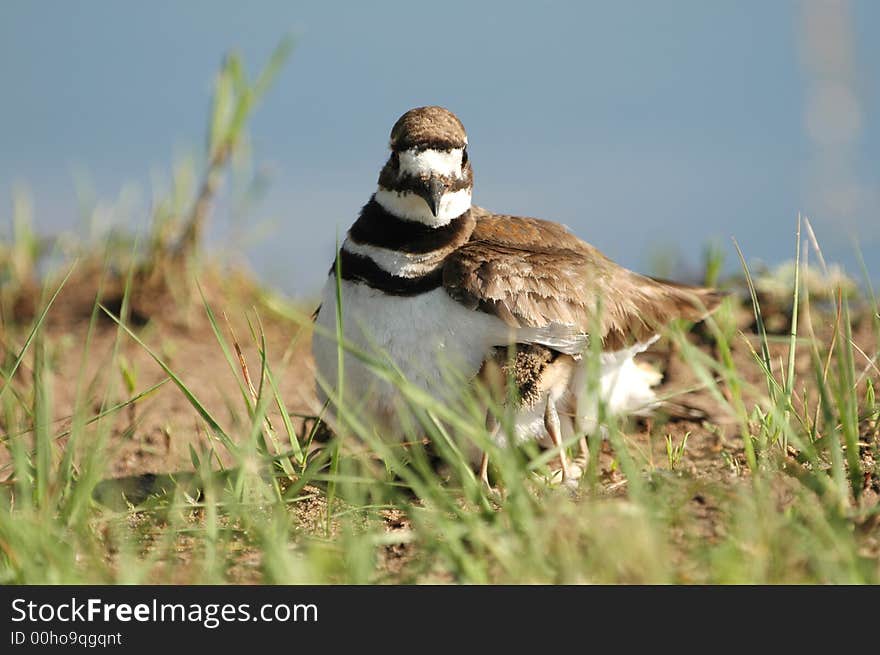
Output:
x,y
555,289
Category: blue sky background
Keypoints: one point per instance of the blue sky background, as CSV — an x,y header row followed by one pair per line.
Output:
x,y
644,126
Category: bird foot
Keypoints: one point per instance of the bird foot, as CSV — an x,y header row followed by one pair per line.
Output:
x,y
567,476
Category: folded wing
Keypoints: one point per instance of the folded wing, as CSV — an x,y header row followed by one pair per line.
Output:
x,y
554,289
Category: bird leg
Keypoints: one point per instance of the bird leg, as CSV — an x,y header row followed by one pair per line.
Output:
x,y
585,451
492,425
484,470
554,429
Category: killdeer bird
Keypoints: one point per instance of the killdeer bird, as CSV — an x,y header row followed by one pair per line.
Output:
x,y
430,280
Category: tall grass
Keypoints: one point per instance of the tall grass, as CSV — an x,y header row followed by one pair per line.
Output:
x,y
793,514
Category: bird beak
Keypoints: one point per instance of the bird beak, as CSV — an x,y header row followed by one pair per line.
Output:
x,y
434,194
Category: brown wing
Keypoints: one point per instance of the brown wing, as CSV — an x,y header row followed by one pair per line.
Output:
x,y
539,278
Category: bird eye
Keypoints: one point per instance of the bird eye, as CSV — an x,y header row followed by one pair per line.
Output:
x,y
395,160
464,157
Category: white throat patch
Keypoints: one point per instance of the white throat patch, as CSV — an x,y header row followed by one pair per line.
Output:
x,y
409,206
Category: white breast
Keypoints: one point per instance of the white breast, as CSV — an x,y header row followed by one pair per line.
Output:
x,y
423,335
427,336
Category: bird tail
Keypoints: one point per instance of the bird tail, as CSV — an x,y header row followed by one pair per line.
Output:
x,y
691,303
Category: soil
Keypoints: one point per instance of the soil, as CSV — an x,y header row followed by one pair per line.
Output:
x,y
154,436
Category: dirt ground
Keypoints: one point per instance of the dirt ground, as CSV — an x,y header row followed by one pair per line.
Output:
x,y
154,436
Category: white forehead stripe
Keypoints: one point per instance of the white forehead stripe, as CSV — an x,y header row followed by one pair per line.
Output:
x,y
412,207
425,162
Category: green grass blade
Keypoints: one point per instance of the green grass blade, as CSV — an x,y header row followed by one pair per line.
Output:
x,y
34,330
230,445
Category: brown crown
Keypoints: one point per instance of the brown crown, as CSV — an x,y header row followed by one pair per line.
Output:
x,y
428,127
